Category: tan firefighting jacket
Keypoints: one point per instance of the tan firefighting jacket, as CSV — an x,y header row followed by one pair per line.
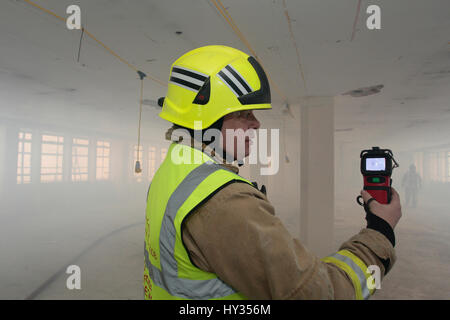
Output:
x,y
237,236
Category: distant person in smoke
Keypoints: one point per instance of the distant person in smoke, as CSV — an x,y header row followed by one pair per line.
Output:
x,y
411,182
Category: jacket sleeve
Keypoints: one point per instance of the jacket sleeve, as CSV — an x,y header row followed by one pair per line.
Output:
x,y
236,235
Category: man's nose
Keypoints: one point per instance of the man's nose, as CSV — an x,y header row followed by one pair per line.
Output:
x,y
254,123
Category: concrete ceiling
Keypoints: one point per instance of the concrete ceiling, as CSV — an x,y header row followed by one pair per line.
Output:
x,y
410,56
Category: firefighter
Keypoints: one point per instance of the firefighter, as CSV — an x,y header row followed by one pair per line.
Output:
x,y
411,182
212,234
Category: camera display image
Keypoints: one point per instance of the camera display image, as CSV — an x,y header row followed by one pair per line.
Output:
x,y
375,164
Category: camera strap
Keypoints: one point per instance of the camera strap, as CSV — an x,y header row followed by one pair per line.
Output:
x,y
365,205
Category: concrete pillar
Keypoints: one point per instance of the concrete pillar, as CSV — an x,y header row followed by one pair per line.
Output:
x,y
317,174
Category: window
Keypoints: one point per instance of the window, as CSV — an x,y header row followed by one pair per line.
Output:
x,y
24,158
151,162
138,176
51,158
80,163
163,154
103,152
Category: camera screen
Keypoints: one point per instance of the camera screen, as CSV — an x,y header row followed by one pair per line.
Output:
x,y
375,164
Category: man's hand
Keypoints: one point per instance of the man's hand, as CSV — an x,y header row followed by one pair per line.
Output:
x,y
391,212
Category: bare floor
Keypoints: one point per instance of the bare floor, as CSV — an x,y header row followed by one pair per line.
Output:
x,y
112,269
422,270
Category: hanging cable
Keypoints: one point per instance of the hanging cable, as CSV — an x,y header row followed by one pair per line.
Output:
x,y
358,9
79,46
137,167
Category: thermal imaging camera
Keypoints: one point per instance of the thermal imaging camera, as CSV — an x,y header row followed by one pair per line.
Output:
x,y
376,167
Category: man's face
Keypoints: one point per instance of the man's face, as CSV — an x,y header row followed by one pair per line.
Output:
x,y
243,120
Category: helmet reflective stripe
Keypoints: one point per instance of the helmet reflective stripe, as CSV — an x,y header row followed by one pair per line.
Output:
x,y
190,72
168,278
234,81
354,268
246,87
188,79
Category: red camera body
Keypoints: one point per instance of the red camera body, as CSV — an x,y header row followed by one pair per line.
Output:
x,y
376,168
379,187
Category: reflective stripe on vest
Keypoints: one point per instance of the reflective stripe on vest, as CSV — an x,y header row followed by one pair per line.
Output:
x,y
355,269
168,278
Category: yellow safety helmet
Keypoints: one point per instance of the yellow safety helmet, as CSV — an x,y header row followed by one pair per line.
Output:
x,y
210,82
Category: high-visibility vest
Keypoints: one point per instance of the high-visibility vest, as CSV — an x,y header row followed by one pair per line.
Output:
x,y
176,190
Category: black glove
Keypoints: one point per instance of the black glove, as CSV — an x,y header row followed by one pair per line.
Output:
x,y
376,223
